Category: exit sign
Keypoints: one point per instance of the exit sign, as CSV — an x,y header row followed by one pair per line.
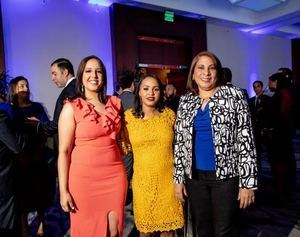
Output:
x,y
169,16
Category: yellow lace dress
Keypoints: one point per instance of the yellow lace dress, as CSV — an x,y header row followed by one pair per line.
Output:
x,y
154,203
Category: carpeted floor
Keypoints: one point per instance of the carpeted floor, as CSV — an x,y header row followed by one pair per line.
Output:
x,y
266,218
270,217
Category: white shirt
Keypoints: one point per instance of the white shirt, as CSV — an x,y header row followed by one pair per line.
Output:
x,y
71,79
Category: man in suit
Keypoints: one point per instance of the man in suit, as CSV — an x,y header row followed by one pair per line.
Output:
x,y
126,82
62,74
127,98
171,99
260,106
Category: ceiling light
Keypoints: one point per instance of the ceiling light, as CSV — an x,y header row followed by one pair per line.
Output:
x,y
256,5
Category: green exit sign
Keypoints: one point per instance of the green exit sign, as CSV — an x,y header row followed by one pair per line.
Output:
x,y
169,16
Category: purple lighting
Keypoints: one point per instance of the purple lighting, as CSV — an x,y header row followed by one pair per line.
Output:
x,y
104,3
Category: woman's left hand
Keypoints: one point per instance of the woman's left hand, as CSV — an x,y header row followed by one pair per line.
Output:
x,y
246,197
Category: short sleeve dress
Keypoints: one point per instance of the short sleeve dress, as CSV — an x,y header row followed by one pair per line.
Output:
x,y
154,203
97,177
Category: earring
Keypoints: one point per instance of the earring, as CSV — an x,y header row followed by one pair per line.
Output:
x,y
82,89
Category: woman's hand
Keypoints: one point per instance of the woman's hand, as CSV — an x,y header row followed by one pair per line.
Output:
x,y
246,197
66,202
32,121
180,192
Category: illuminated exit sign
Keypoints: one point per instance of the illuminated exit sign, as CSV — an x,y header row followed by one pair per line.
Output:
x,y
169,16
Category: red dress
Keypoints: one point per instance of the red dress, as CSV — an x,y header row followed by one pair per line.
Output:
x,y
97,177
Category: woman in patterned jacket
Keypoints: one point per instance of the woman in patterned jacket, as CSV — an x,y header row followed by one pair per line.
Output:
x,y
215,155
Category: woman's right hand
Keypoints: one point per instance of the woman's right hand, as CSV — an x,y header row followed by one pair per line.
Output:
x,y
66,202
180,192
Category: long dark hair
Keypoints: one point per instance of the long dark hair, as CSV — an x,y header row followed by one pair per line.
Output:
x,y
12,95
102,92
283,82
138,108
191,84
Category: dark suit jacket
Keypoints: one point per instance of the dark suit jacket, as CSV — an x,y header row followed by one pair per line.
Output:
x,y
50,128
11,144
127,99
260,113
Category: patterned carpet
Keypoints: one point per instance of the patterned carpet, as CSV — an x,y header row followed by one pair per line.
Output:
x,y
267,218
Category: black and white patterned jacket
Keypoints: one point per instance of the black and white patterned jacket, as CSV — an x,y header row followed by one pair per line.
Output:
x,y
235,152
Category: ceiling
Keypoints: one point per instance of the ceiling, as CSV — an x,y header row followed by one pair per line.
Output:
x,y
278,17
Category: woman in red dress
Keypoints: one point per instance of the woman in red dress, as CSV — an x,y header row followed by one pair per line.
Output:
x,y
92,176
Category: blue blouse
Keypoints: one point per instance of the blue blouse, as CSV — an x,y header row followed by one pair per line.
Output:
x,y
204,153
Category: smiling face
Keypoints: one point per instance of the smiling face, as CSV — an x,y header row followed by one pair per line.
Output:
x,y
92,78
205,74
149,92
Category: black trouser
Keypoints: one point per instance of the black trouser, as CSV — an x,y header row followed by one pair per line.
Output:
x,y
214,204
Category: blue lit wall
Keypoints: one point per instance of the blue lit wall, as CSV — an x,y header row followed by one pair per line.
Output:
x,y
250,56
36,32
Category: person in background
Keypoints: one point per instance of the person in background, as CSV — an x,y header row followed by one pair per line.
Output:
x,y
127,96
118,90
62,74
3,95
227,80
33,178
260,106
295,92
92,177
150,127
215,155
11,144
282,156
171,99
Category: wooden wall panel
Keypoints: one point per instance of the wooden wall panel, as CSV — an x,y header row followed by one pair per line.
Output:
x,y
296,59
130,22
296,76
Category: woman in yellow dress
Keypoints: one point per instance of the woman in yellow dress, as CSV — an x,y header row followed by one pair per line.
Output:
x,y
150,129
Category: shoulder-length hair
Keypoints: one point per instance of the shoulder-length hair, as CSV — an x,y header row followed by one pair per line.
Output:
x,y
191,84
138,109
102,92
12,94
